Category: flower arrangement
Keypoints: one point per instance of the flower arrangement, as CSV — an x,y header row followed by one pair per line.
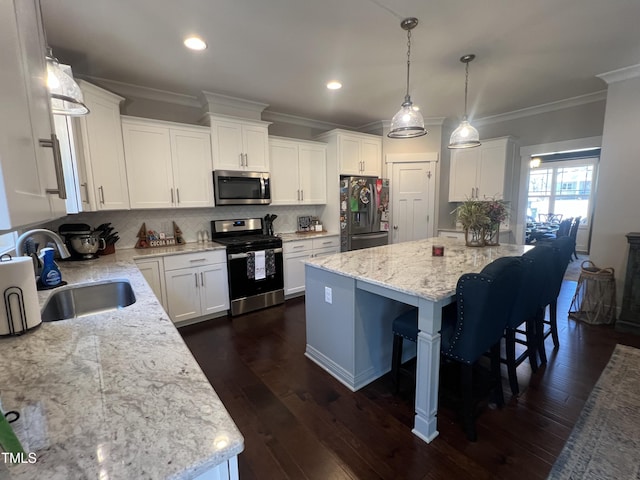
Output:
x,y
481,220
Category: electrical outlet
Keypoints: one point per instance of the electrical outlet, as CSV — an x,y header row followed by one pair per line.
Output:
x,y
327,295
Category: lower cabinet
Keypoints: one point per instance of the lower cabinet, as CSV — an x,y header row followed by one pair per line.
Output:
x,y
296,252
196,284
152,270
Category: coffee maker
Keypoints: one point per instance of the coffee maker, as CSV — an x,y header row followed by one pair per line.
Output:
x,y
81,242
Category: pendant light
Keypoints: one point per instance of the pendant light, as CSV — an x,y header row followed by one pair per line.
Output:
x,y
408,122
66,96
465,136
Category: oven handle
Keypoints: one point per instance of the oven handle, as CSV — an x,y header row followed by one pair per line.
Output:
x,y
234,256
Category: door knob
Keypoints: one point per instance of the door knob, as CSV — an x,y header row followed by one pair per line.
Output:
x,y
395,227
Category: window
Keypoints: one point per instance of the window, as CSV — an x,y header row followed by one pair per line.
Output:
x,y
562,187
7,242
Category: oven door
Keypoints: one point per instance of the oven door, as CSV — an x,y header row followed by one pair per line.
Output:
x,y
241,286
241,188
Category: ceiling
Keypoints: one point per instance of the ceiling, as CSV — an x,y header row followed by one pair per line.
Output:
x,y
283,52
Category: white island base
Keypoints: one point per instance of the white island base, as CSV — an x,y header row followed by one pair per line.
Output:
x,y
351,337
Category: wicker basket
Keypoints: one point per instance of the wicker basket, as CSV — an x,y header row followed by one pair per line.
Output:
x,y
595,299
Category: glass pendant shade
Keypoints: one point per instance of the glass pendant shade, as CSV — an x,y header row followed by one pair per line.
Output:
x,y
408,122
465,136
66,96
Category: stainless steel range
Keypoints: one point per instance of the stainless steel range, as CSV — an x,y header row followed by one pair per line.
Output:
x,y
254,264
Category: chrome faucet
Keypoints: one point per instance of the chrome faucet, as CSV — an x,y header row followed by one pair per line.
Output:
x,y
61,247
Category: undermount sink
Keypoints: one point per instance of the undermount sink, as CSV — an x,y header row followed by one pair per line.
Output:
x,y
87,299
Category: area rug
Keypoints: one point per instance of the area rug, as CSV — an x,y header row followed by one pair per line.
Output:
x,y
605,441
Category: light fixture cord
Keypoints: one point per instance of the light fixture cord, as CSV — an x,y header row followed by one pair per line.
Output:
x,y
466,84
408,59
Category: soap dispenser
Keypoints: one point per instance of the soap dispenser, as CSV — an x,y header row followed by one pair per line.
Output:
x,y
50,276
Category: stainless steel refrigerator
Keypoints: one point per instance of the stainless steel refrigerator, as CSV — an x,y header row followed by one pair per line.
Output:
x,y
364,212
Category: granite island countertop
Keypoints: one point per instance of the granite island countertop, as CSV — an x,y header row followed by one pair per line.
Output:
x,y
114,395
409,267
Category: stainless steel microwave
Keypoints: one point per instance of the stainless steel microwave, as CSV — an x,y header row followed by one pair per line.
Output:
x,y
241,188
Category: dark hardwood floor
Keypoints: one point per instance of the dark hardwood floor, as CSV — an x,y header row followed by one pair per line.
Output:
x,y
300,423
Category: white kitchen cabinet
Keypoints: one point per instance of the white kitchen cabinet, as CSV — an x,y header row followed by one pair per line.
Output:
x,y
298,172
294,254
239,144
483,172
357,153
168,164
101,149
152,270
196,284
30,164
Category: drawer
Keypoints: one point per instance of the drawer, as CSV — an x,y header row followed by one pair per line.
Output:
x,y
449,234
326,242
195,259
319,252
297,246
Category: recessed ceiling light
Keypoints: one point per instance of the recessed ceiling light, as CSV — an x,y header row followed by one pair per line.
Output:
x,y
195,43
334,85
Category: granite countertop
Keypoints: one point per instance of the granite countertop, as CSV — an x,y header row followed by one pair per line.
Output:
x,y
409,267
293,236
114,395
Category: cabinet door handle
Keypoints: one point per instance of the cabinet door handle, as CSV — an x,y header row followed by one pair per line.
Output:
x,y
298,195
53,143
196,275
302,195
178,194
172,196
101,191
202,279
86,192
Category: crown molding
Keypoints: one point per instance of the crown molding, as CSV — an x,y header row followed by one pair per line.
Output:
x,y
277,117
136,91
620,74
544,108
213,102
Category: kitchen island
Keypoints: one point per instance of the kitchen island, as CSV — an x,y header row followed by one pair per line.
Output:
x,y
353,297
115,395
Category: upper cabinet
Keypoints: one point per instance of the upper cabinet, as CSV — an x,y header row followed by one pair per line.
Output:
x,y
101,149
298,172
31,175
168,164
358,154
239,144
483,172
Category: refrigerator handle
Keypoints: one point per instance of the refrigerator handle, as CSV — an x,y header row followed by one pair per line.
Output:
x,y
372,207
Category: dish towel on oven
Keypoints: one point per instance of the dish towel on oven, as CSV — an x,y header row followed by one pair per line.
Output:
x,y
261,264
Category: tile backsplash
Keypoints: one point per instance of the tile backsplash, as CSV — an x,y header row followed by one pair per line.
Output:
x,y
190,220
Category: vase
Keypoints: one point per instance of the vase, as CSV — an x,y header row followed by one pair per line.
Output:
x,y
474,237
492,235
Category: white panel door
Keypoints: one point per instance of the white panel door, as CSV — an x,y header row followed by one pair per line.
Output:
x,y
256,147
226,145
313,174
285,189
214,289
183,294
413,198
491,172
349,155
192,168
463,174
147,151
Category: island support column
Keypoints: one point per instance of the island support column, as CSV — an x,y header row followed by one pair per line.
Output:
x,y
428,369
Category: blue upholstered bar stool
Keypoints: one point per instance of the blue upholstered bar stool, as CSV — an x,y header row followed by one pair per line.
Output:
x,y
538,266
563,248
484,303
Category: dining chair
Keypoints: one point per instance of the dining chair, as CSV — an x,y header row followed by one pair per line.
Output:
x,y
475,325
538,264
563,248
573,233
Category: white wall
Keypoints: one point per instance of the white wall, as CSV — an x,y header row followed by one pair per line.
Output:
x,y
616,211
